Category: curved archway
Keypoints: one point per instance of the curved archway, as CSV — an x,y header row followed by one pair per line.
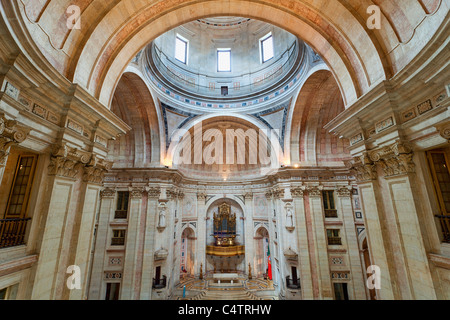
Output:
x,y
318,102
245,146
133,103
261,241
188,250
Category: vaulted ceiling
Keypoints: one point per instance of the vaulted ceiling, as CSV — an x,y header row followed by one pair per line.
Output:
x,y
113,31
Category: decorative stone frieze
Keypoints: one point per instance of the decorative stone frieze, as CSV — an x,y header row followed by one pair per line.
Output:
x,y
11,133
107,193
67,162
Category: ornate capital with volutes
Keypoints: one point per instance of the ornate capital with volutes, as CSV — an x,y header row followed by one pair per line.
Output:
x,y
395,159
107,193
154,192
136,192
67,162
444,131
344,192
363,168
278,193
297,192
94,171
13,130
174,193
315,192
11,133
201,196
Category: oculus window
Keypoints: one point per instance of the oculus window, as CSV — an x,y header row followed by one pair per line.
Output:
x,y
181,49
266,44
224,60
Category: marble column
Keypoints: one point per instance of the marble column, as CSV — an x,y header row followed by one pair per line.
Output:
x,y
106,214
148,259
250,258
344,205
303,243
130,276
57,221
321,243
374,219
403,211
201,239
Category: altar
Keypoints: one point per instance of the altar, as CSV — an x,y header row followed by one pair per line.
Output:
x,y
226,279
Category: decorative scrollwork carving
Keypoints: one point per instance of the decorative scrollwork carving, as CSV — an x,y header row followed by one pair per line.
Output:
x,y
11,133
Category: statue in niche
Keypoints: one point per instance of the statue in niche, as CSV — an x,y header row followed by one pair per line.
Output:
x,y
162,218
289,219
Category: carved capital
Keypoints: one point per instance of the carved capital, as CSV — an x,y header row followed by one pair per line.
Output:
x,y
278,193
394,159
175,193
248,196
11,133
344,192
201,196
297,192
444,131
315,192
67,162
107,193
154,192
136,192
363,168
12,130
94,171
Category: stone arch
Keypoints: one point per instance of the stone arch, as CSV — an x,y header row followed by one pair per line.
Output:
x,y
318,102
133,103
218,121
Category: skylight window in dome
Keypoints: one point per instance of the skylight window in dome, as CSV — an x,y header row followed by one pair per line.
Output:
x,y
181,49
267,52
224,60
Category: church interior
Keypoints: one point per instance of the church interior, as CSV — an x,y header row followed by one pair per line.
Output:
x,y
224,150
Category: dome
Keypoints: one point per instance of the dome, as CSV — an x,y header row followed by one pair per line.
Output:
x,y
230,60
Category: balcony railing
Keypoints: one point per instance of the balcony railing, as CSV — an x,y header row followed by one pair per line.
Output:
x,y
445,226
121,214
334,241
12,232
331,213
159,283
292,283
